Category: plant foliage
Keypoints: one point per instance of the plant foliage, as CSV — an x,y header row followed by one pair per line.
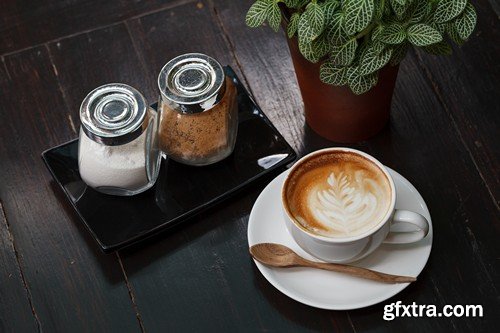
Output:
x,y
354,39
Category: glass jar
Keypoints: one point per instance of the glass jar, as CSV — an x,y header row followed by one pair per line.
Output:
x,y
198,110
118,149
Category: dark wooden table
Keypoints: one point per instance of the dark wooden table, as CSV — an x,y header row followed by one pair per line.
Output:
x,y
443,136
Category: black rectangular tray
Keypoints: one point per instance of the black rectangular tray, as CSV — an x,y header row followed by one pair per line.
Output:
x,y
181,191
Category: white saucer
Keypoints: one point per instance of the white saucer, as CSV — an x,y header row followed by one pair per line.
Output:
x,y
330,290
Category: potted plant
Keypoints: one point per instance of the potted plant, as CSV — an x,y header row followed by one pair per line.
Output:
x,y
346,53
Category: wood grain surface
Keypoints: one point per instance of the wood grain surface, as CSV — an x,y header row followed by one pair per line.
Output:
x,y
16,300
443,137
25,23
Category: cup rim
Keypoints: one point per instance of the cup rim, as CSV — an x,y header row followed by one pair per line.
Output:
x,y
371,231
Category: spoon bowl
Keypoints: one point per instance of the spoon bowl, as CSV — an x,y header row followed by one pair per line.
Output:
x,y
274,255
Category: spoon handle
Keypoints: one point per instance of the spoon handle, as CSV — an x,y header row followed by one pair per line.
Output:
x,y
362,272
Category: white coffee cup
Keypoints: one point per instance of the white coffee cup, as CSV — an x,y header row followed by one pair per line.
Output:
x,y
349,249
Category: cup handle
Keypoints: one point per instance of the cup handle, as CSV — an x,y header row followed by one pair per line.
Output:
x,y
403,237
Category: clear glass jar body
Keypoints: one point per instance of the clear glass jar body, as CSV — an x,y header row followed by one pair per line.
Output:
x,y
200,138
125,169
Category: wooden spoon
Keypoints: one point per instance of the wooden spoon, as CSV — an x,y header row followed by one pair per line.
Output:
x,y
278,255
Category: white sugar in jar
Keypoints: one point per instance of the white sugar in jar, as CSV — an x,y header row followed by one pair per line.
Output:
x,y
118,148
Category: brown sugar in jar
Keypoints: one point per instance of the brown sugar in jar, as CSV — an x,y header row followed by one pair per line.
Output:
x,y
198,110
200,137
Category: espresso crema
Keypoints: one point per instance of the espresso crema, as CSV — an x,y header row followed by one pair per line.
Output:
x,y
338,194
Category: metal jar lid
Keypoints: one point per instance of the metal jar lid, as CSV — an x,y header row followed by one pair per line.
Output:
x,y
192,83
113,114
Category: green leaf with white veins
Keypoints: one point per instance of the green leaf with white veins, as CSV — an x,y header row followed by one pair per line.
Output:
x,y
335,32
308,51
423,35
291,3
453,33
466,22
291,29
393,34
274,16
321,46
311,22
329,8
258,12
421,10
398,8
330,73
440,27
377,32
295,3
448,9
378,10
372,61
357,14
360,84
378,46
344,54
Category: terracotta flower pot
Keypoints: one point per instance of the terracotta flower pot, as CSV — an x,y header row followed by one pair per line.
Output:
x,y
336,113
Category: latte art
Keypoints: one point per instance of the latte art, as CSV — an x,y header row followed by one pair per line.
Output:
x,y
339,195
346,205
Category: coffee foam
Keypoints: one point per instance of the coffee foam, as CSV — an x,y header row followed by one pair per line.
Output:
x,y
338,194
